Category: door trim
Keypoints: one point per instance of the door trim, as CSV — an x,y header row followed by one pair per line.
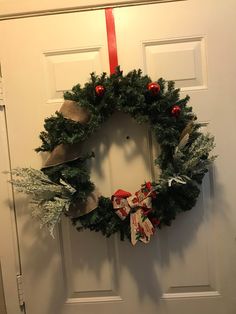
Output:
x,y
14,9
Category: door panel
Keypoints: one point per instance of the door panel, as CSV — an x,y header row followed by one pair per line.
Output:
x,y
186,268
81,269
182,60
45,58
181,42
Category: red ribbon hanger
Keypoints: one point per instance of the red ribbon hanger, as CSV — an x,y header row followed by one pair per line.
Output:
x,y
111,40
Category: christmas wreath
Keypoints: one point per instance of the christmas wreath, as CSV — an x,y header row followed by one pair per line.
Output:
x,y
63,185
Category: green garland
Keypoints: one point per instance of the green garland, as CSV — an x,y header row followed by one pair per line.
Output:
x,y
183,161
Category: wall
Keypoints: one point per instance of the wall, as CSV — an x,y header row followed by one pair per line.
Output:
x,y
2,299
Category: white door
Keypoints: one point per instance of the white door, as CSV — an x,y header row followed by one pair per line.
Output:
x,y
188,268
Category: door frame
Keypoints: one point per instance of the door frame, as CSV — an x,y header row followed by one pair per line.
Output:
x,y
9,250
14,9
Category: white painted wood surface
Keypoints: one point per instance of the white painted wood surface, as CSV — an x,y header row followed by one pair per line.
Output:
x,y
9,257
188,268
11,9
191,43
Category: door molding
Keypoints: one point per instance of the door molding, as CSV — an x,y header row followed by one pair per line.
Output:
x,y
14,9
9,248
3,309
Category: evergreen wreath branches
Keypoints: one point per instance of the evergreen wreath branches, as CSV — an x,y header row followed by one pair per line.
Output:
x,y
183,161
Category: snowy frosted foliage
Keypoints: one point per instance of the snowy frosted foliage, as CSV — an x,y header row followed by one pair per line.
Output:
x,y
48,199
202,146
195,157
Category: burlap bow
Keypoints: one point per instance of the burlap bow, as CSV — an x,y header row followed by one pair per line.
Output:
x,y
64,153
138,206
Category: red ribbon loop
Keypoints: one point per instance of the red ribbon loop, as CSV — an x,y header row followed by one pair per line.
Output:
x,y
111,40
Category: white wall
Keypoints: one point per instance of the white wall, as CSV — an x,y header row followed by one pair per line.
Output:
x,y
2,299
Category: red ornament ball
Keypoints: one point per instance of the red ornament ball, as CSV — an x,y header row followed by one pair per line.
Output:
x,y
154,88
176,111
100,90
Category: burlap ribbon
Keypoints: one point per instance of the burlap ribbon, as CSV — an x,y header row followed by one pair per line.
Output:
x,y
123,203
65,152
